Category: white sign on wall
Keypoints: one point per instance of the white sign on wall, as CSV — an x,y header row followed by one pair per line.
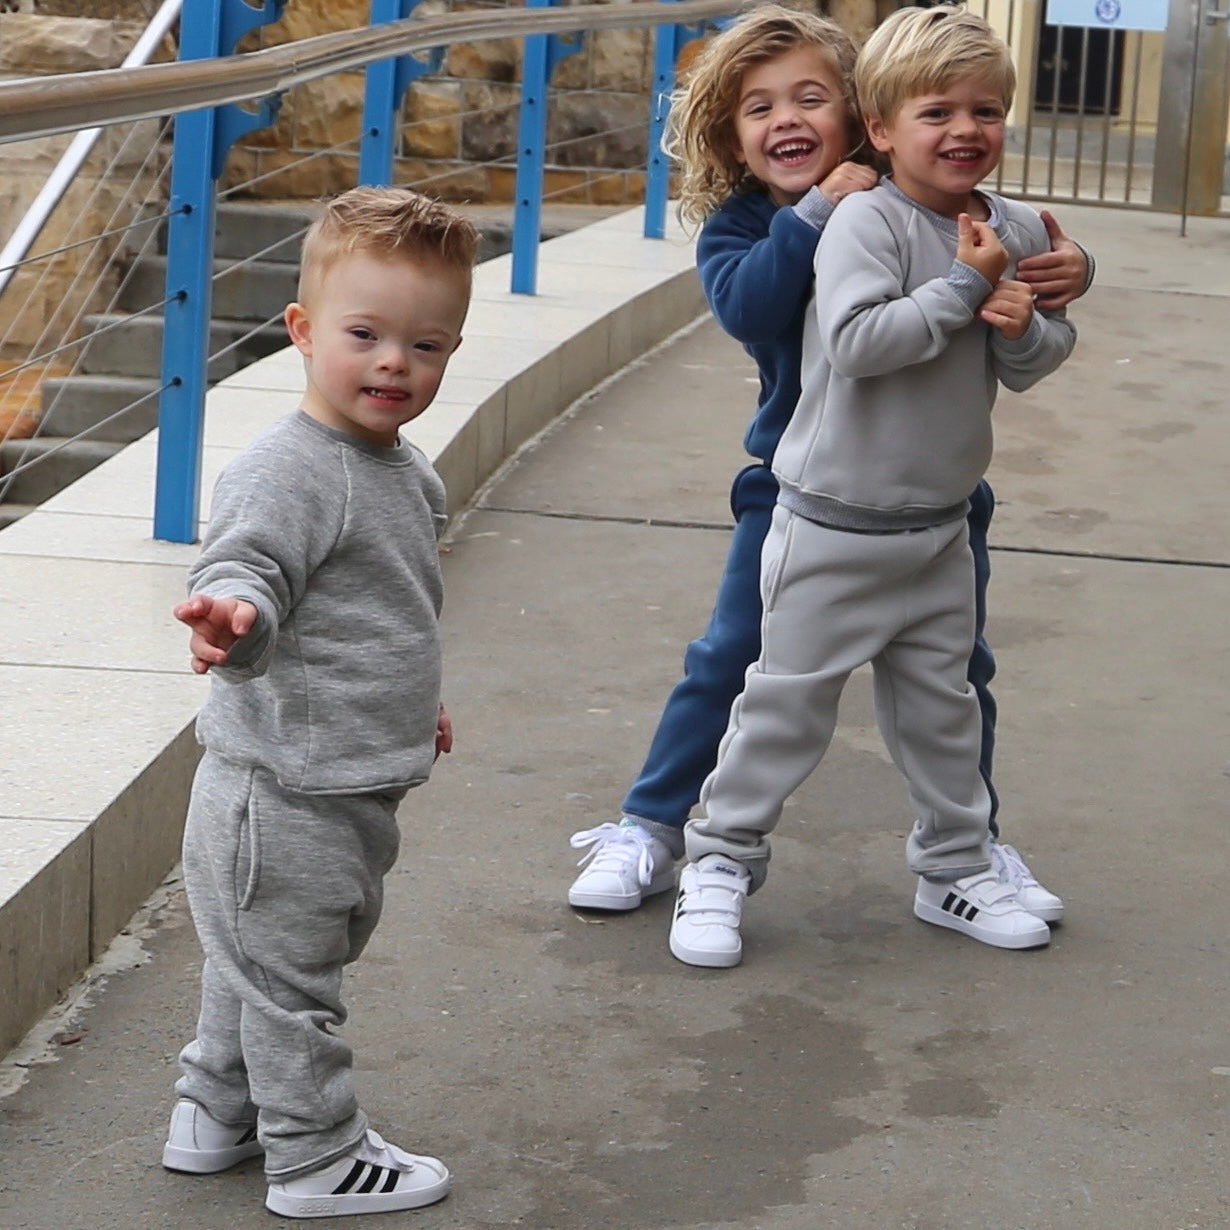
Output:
x,y
1109,14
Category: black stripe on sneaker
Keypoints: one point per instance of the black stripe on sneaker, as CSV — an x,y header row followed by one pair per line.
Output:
x,y
248,1137
351,1179
960,907
373,1177
390,1181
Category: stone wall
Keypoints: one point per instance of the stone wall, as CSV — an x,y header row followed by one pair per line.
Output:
x,y
459,131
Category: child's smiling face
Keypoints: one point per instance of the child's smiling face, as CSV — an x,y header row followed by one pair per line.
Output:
x,y
792,127
943,144
376,333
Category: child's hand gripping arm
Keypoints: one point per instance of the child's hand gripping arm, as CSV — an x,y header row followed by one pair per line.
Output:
x,y
845,178
216,623
1026,343
1060,274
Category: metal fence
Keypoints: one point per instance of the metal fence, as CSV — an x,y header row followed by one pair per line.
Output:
x,y
1119,117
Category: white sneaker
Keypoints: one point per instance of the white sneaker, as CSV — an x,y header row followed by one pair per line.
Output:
x,y
625,863
984,909
198,1144
373,1177
705,929
1011,868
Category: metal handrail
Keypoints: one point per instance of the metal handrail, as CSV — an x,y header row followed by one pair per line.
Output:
x,y
35,107
63,173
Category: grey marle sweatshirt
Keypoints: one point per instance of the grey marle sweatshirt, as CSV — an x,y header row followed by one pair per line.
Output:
x,y
334,540
893,427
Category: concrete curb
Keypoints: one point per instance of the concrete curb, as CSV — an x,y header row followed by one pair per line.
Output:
x,y
97,745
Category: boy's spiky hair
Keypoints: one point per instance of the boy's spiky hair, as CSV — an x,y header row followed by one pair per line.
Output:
x,y
390,222
917,51
701,127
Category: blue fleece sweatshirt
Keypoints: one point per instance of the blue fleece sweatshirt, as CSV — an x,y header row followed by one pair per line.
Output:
x,y
755,261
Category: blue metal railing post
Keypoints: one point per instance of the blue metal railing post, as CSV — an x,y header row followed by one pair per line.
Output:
x,y
542,53
208,28
384,87
669,41
658,172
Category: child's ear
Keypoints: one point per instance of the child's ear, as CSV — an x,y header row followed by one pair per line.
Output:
x,y
298,327
877,133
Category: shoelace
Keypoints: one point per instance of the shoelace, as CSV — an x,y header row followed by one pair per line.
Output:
x,y
1010,867
611,847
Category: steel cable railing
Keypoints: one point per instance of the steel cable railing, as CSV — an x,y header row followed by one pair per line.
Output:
x,y
127,92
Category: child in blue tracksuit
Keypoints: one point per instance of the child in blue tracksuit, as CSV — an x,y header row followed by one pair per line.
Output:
x,y
763,129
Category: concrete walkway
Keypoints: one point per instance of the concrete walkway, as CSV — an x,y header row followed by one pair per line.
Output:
x,y
860,1070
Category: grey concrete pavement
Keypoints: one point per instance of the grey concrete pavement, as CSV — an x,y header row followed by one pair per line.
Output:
x,y
860,1069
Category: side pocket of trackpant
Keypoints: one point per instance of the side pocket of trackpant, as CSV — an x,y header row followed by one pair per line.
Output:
x,y
777,548
248,851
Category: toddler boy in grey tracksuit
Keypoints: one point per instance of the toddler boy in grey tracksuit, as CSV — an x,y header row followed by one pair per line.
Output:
x,y
315,604
911,331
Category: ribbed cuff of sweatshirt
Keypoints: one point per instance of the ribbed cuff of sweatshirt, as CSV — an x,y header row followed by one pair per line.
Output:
x,y
815,208
968,285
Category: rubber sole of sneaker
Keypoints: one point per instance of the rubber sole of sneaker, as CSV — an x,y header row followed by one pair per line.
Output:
x,y
585,900
208,1161
704,958
1033,938
350,1204
1049,914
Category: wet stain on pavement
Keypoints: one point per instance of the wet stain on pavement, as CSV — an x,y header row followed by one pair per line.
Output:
x,y
958,1097
761,1103
1073,520
1158,433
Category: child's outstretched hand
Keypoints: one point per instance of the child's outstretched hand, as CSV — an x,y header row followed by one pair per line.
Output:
x,y
216,623
444,733
1009,308
1058,276
845,178
978,245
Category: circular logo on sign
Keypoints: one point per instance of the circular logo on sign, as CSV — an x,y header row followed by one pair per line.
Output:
x,y
1108,10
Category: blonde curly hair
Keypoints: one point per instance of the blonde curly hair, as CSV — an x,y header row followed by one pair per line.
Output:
x,y
700,132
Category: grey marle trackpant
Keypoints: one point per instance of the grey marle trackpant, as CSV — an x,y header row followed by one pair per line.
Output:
x,y
834,601
285,889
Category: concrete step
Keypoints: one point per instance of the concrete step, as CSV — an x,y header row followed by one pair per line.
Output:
x,y
71,404
256,291
243,229
132,346
10,513
53,463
